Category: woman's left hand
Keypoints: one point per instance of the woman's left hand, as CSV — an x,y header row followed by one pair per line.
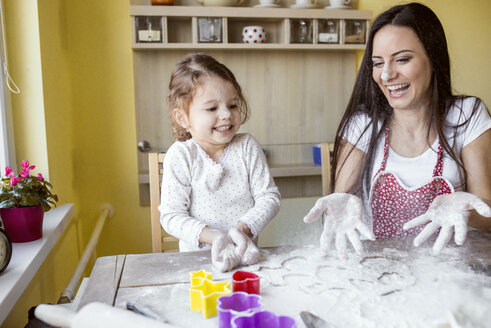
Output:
x,y
448,212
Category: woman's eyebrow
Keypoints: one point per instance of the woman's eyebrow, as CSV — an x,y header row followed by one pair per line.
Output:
x,y
396,53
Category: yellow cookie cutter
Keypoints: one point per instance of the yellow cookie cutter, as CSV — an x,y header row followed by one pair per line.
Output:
x,y
204,293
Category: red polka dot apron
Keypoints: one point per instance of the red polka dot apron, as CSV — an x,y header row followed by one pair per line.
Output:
x,y
393,204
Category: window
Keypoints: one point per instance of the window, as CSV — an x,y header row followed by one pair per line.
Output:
x,y
7,156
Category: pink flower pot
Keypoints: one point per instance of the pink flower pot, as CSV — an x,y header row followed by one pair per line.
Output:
x,y
23,224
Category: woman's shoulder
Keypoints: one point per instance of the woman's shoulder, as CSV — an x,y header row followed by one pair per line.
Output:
x,y
463,108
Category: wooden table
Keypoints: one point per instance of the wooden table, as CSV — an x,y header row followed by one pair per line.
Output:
x,y
294,278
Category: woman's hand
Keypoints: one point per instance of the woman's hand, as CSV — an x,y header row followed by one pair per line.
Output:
x,y
450,213
343,213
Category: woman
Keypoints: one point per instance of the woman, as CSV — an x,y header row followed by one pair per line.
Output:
x,y
407,150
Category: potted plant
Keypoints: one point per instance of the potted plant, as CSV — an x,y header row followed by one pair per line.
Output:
x,y
23,200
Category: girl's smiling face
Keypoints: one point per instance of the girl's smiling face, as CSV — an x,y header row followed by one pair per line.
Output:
x,y
400,57
213,117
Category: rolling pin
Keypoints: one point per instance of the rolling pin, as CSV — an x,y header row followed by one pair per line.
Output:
x,y
94,315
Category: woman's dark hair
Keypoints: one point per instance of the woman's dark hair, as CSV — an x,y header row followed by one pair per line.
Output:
x,y
367,97
185,80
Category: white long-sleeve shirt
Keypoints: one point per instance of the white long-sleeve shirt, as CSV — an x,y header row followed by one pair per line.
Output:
x,y
198,192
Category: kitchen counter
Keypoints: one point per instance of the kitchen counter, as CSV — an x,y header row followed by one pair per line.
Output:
x,y
393,284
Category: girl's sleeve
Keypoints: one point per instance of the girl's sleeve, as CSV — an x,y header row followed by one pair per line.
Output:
x,y
175,197
263,189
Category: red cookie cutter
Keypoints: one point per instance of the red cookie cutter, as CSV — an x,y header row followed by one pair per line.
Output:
x,y
243,281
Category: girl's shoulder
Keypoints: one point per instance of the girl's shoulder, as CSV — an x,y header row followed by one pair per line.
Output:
x,y
244,141
182,150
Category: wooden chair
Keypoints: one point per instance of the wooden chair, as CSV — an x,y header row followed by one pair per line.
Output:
x,y
326,159
161,241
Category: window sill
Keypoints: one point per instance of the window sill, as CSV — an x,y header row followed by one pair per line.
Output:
x,y
28,257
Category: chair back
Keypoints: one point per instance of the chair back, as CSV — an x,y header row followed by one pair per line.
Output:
x,y
161,241
326,159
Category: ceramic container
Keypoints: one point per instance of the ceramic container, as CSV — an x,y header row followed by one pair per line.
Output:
x,y
253,34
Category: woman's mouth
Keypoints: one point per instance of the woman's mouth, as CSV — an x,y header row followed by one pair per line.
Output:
x,y
396,90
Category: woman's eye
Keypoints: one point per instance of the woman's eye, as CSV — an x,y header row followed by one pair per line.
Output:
x,y
403,59
378,64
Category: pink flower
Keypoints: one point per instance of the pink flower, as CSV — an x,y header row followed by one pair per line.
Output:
x,y
24,173
9,172
25,165
14,181
40,176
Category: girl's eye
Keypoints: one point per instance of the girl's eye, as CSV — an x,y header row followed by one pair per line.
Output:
x,y
211,109
233,106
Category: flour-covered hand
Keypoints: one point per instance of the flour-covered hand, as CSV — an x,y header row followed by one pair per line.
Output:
x,y
224,256
245,247
450,213
343,220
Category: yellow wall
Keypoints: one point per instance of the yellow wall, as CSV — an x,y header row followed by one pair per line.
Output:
x,y
75,115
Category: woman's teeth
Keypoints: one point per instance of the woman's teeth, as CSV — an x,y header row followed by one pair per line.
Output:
x,y
397,88
223,128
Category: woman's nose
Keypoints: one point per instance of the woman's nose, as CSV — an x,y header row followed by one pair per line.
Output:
x,y
386,73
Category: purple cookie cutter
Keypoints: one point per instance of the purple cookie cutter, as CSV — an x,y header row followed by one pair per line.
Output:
x,y
264,319
236,304
243,281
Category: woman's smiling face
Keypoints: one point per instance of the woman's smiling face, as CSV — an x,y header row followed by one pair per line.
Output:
x,y
401,67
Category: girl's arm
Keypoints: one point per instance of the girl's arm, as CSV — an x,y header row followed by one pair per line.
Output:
x,y
263,190
476,157
349,168
175,197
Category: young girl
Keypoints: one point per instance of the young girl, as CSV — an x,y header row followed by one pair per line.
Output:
x,y
216,187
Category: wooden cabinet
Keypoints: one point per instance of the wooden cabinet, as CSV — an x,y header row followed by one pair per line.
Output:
x,y
297,87
179,27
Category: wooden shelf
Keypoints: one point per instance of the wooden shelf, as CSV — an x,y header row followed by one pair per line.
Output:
x,y
178,27
300,170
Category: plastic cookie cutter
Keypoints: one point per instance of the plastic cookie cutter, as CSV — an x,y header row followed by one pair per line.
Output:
x,y
264,319
195,275
236,304
203,295
243,281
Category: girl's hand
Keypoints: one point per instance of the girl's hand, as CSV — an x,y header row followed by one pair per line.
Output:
x,y
343,219
246,248
450,213
224,256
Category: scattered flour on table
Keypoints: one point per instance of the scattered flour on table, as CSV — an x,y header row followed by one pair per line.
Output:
x,y
390,288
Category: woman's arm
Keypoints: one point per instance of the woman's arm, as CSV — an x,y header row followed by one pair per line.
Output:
x,y
476,157
349,168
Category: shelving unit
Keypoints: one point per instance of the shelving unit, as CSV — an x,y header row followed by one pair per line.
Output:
x,y
297,90
179,27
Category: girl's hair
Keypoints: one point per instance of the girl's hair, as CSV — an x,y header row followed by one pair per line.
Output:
x,y
367,97
185,80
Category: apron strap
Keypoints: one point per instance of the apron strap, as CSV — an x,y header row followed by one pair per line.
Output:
x,y
437,171
386,150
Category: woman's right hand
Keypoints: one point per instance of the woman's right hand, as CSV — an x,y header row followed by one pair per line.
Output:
x,y
343,219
